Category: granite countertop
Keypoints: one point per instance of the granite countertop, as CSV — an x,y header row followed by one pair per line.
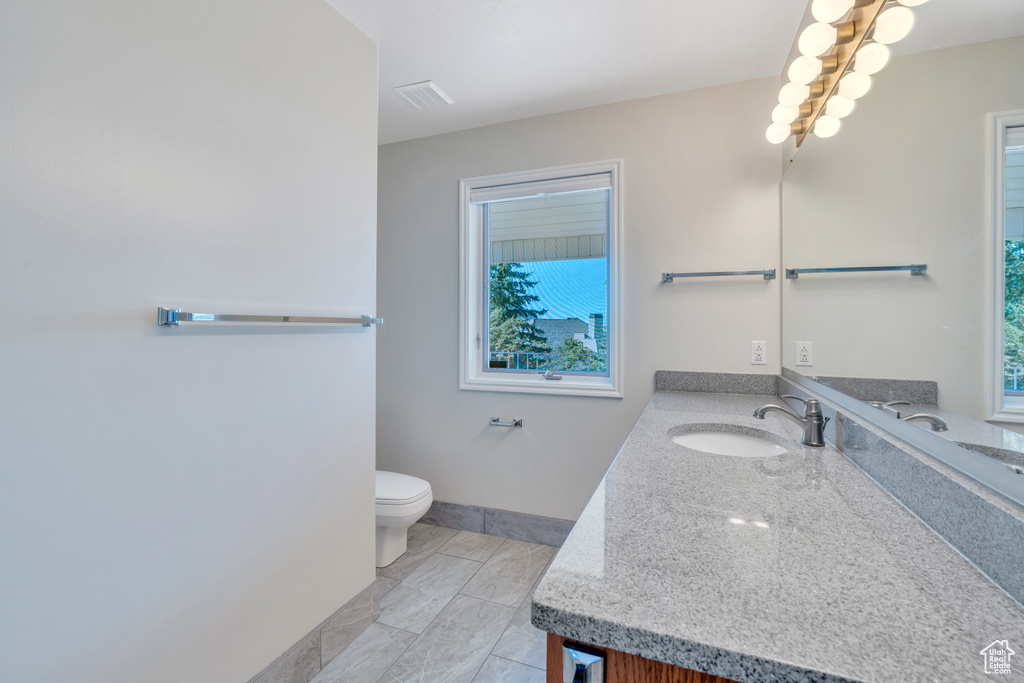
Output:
x,y
796,567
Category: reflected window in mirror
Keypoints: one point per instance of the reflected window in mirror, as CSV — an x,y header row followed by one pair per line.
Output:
x,y
1008,290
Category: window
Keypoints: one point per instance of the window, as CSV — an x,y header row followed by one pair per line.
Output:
x,y
1007,186
540,281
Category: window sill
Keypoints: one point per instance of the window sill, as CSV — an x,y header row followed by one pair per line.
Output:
x,y
1008,414
535,384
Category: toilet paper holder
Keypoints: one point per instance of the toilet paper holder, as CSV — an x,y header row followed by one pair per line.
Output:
x,y
516,422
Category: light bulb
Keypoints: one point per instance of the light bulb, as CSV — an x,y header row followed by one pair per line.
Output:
x,y
826,126
854,85
785,115
912,3
804,69
817,39
871,58
839,106
777,133
892,25
829,11
793,94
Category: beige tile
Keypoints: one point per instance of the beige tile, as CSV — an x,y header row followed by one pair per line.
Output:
x,y
346,624
414,603
368,656
298,665
511,573
472,546
498,670
455,644
424,540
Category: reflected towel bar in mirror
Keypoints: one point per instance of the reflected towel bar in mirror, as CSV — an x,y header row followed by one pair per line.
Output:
x,y
794,273
173,317
769,274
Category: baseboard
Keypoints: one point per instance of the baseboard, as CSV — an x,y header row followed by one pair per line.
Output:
x,y
504,523
304,660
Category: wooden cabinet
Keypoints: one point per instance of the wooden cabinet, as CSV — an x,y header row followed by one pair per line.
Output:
x,y
624,668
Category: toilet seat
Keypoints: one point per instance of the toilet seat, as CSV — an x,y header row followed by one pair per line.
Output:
x,y
400,489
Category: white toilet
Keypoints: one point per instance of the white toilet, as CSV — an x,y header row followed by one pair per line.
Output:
x,y
401,500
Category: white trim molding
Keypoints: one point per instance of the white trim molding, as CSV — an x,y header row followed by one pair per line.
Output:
x,y
472,287
999,407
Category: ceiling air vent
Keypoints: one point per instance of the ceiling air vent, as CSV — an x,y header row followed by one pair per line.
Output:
x,y
424,95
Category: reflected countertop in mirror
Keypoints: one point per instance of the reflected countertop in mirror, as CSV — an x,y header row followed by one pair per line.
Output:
x,y
743,567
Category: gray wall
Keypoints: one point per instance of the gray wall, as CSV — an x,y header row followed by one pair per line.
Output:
x,y
701,192
181,505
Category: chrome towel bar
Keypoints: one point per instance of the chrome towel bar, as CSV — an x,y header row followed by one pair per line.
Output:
x,y
173,317
794,273
769,274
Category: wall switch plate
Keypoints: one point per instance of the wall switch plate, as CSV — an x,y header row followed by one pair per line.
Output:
x,y
805,353
758,353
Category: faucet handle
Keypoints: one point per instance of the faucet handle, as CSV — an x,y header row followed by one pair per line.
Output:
x,y
813,408
811,405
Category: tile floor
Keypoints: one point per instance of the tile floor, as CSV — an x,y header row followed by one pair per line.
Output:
x,y
454,609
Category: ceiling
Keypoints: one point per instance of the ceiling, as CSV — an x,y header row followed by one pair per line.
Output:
x,y
502,60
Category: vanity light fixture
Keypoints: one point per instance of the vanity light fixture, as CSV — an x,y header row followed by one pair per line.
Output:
x,y
805,70
893,25
839,107
839,52
785,115
795,95
826,126
819,38
828,11
854,85
778,132
871,59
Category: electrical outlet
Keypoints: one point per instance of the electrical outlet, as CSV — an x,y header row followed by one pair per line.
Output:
x,y
758,353
805,353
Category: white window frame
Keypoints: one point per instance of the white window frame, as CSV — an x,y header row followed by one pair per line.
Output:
x,y
473,288
1000,407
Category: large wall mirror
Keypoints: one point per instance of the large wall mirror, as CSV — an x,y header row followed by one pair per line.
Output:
x,y
907,181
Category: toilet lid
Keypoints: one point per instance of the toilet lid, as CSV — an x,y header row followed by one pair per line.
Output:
x,y
399,489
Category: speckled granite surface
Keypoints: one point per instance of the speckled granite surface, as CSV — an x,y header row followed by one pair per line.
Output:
x,y
868,389
795,567
716,382
987,528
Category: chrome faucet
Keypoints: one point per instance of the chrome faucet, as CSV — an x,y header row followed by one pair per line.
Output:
x,y
937,423
889,404
813,422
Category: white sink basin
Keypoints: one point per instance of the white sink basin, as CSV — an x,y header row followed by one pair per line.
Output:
x,y
726,443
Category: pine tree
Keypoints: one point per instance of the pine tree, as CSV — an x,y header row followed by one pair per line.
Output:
x,y
512,313
1013,316
575,356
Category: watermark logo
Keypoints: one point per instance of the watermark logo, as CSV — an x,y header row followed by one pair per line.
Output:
x,y
997,657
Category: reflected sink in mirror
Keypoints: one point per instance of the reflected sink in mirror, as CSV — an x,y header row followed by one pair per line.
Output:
x,y
1012,459
726,440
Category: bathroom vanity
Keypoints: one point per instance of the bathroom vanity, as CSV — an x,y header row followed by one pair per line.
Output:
x,y
692,566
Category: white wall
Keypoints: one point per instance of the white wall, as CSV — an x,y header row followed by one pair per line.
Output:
x,y
181,505
701,192
903,182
